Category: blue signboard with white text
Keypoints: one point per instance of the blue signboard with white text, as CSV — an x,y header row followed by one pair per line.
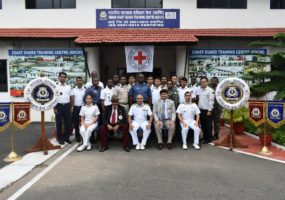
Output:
x,y
138,18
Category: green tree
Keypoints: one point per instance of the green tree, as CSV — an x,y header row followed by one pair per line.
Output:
x,y
274,80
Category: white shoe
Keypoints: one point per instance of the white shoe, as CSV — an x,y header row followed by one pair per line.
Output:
x,y
142,147
138,147
196,146
81,148
89,147
184,147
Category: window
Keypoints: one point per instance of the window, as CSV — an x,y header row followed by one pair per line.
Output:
x,y
136,3
0,4
50,4
277,4
3,76
228,4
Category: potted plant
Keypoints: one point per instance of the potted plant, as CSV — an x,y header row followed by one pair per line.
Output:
x,y
240,115
261,135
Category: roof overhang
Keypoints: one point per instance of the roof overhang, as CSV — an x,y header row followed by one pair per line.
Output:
x,y
98,37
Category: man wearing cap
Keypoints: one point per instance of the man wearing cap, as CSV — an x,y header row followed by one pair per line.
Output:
x,y
140,112
114,120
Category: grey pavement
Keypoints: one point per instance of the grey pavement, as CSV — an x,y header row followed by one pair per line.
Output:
x,y
211,173
24,138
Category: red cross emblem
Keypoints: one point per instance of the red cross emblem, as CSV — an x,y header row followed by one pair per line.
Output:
x,y
139,57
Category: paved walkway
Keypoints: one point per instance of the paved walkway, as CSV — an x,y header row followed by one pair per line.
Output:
x,y
254,146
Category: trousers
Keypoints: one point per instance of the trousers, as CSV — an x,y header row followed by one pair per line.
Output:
x,y
184,131
134,134
171,130
86,133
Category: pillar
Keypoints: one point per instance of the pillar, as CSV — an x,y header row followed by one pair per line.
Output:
x,y
180,61
93,59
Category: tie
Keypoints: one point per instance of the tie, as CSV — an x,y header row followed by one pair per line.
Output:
x,y
163,111
113,119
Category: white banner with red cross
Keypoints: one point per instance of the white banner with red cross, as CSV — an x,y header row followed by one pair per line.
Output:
x,y
139,58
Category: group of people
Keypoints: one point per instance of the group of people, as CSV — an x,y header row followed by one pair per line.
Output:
x,y
160,105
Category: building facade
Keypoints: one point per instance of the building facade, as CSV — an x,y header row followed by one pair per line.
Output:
x,y
203,36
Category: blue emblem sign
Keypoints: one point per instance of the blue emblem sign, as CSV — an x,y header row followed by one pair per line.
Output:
x,y
138,18
232,93
275,113
42,93
4,116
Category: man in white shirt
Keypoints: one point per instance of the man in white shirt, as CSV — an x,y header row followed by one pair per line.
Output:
x,y
183,88
139,111
155,91
107,94
195,87
206,104
187,112
94,74
77,95
62,110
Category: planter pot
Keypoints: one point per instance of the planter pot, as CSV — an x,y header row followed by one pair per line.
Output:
x,y
222,122
238,128
268,139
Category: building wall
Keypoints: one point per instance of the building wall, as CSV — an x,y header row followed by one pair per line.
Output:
x,y
258,14
29,44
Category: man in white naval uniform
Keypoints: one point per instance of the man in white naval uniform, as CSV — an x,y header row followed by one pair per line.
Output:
x,y
186,115
139,112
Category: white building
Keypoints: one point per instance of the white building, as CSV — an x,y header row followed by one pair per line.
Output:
x,y
70,24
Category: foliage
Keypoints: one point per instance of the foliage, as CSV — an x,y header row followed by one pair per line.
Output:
x,y
240,114
274,80
279,136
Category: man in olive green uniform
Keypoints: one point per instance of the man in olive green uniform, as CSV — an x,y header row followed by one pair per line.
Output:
x,y
172,93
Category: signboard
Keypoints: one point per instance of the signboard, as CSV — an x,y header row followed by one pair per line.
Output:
x,y
42,93
138,18
232,93
139,58
256,113
4,116
224,63
26,65
22,115
275,113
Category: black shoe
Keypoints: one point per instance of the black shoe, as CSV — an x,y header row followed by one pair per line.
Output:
x,y
169,146
78,140
206,142
67,141
127,149
102,149
60,141
159,146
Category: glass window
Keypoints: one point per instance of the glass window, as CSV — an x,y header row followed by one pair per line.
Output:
x,y
120,4
153,4
3,76
137,3
228,4
50,4
277,4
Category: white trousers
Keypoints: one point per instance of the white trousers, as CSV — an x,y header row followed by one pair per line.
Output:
x,y
86,133
184,132
134,134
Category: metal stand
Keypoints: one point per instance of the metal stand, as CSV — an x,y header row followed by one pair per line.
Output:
x,y
43,143
231,141
13,156
264,150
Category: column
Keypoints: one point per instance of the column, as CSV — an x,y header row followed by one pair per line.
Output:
x,y
180,61
93,59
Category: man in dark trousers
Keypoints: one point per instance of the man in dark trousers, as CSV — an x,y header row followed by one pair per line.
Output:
x,y
217,110
114,120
